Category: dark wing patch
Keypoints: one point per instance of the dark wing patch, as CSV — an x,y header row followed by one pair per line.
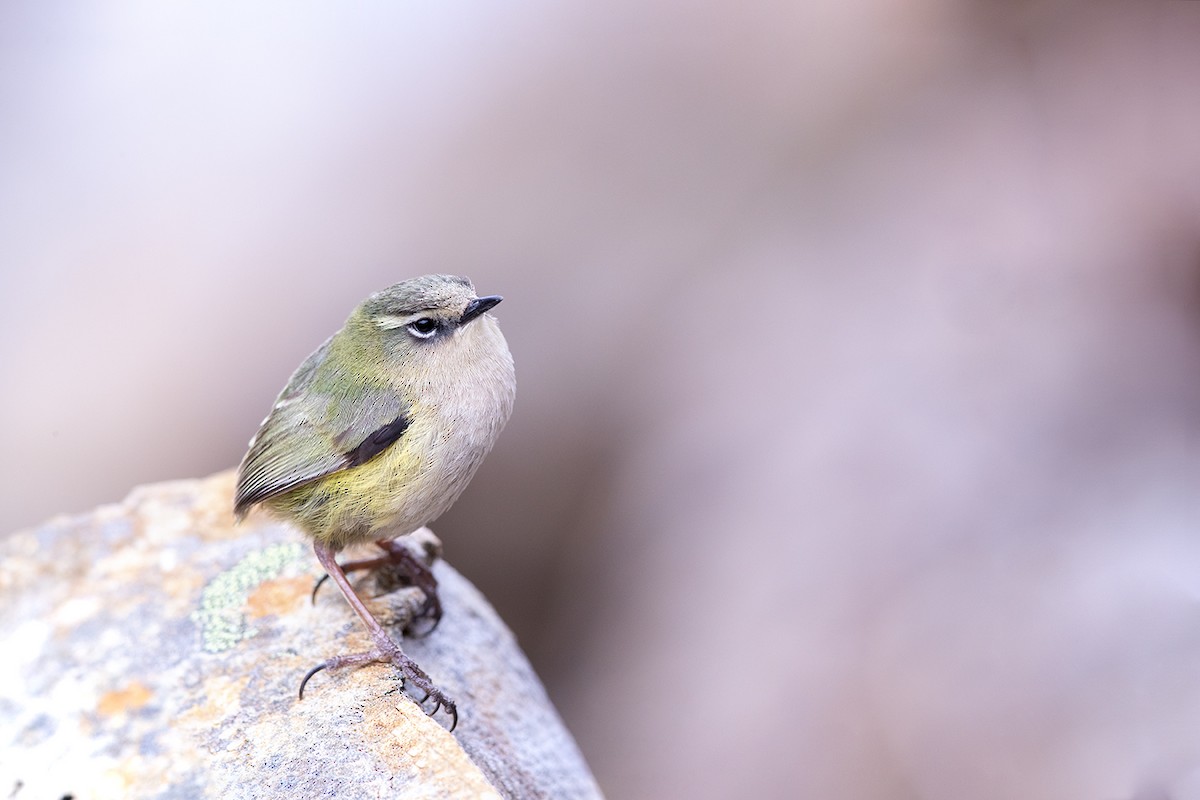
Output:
x,y
377,441
298,442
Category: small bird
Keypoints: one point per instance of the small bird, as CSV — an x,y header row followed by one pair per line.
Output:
x,y
377,434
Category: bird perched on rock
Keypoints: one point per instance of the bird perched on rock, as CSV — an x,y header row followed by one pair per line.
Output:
x,y
377,434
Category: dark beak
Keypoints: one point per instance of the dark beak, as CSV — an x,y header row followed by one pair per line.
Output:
x,y
477,307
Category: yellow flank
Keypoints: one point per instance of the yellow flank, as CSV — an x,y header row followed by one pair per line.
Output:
x,y
387,496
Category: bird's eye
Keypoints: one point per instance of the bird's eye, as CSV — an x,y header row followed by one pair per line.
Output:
x,y
423,328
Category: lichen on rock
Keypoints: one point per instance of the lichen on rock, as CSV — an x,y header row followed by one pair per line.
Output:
x,y
153,649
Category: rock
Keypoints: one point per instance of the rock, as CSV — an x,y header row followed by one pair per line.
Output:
x,y
153,649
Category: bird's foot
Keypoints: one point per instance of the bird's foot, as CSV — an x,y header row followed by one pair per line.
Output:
x,y
388,652
412,571
417,572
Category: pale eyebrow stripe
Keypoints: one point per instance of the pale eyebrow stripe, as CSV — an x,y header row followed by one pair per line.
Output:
x,y
390,321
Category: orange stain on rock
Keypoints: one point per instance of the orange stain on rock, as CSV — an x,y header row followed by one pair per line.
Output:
x,y
130,698
221,698
277,596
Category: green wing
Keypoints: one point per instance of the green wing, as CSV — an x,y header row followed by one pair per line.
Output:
x,y
311,433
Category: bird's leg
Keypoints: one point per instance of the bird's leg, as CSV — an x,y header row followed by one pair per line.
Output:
x,y
386,650
411,568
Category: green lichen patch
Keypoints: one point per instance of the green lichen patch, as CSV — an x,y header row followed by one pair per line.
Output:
x,y
221,615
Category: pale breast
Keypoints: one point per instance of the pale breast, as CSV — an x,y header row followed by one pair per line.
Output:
x,y
457,421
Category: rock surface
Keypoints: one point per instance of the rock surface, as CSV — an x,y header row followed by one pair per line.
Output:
x,y
153,649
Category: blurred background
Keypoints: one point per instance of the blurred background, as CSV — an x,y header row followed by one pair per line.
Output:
x,y
857,448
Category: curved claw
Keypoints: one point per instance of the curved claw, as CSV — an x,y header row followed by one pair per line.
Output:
x,y
309,674
440,701
317,587
431,613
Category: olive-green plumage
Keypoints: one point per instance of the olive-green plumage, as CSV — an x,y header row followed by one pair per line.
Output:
x,y
380,429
